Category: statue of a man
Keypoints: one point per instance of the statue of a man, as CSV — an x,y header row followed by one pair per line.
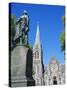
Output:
x,y
24,26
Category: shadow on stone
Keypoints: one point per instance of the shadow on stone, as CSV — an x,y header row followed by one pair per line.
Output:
x,y
29,63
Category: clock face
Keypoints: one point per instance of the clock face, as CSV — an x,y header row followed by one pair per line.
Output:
x,y
53,66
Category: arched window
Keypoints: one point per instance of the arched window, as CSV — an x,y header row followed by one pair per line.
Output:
x,y
36,55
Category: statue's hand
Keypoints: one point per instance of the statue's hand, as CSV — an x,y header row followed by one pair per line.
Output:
x,y
27,29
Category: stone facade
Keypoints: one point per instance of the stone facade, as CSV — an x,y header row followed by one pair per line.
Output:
x,y
54,73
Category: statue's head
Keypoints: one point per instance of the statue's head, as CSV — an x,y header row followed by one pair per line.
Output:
x,y
25,12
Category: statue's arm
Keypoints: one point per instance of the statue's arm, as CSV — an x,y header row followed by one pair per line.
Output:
x,y
19,19
27,20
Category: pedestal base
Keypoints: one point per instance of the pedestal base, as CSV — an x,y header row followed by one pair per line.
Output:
x,y
21,67
22,82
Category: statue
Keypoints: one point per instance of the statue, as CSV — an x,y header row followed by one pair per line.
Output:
x,y
23,23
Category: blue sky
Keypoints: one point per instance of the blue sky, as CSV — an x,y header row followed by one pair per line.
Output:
x,y
51,26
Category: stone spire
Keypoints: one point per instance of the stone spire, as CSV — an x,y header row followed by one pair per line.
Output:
x,y
37,40
37,60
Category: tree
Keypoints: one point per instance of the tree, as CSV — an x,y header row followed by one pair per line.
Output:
x,y
62,40
62,37
12,31
13,25
63,19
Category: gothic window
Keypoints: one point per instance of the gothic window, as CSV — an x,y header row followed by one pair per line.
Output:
x,y
36,55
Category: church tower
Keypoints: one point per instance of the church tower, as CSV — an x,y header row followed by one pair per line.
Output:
x,y
37,60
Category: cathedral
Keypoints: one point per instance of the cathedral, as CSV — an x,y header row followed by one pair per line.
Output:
x,y
53,73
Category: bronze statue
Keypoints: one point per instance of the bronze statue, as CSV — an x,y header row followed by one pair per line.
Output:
x,y
23,23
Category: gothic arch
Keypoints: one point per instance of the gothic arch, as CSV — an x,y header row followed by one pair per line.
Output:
x,y
54,80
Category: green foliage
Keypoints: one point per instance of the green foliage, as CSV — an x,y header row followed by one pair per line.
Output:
x,y
13,25
63,20
33,72
62,36
29,46
62,41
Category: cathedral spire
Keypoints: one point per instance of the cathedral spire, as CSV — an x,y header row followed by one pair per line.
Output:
x,y
37,60
37,40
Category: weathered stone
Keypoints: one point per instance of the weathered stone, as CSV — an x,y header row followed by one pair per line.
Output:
x,y
21,67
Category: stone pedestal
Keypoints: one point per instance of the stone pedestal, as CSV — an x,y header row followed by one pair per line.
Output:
x,y
21,67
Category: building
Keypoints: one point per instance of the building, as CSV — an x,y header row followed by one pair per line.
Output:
x,y
37,60
54,73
